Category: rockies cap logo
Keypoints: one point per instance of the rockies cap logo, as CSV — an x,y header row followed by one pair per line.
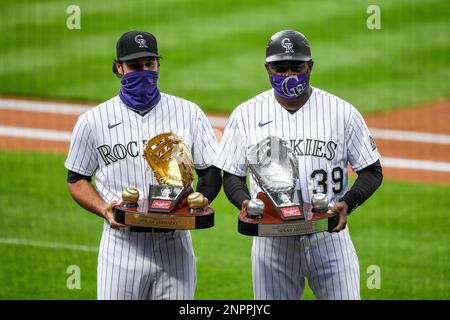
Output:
x,y
293,92
139,39
287,44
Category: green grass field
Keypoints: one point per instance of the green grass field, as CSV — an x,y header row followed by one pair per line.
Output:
x,y
213,55
214,50
407,239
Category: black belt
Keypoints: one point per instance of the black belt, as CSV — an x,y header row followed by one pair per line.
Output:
x,y
150,230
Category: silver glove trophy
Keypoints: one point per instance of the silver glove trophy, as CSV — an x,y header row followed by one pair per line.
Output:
x,y
278,209
274,167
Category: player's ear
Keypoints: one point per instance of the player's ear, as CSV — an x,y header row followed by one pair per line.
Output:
x,y
310,65
117,68
267,68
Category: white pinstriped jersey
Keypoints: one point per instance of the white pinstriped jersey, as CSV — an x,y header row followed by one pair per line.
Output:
x,y
108,142
326,134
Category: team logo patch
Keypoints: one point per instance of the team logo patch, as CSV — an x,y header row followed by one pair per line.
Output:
x,y
372,143
139,39
287,44
295,91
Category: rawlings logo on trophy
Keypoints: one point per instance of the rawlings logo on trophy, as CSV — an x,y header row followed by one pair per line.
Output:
x,y
172,203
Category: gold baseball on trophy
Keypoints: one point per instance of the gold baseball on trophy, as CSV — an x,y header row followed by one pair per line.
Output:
x,y
196,200
130,195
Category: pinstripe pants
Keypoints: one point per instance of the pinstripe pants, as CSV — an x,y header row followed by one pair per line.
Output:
x,y
328,260
144,266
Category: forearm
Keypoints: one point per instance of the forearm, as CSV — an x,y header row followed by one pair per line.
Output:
x,y
86,196
367,182
236,189
209,182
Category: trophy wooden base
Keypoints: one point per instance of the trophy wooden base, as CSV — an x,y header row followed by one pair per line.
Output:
x,y
272,225
181,219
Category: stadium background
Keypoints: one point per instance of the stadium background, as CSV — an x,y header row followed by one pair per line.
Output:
x,y
213,55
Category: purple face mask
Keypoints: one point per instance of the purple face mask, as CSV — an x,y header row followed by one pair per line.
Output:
x,y
289,87
139,90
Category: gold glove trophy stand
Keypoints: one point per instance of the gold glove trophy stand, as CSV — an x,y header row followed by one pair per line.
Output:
x,y
278,209
172,204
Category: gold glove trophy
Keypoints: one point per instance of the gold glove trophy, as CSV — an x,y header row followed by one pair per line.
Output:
x,y
172,204
278,209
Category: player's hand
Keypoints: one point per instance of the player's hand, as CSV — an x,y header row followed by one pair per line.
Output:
x,y
108,214
245,204
341,209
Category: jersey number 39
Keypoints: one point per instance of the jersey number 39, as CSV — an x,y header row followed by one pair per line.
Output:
x,y
320,179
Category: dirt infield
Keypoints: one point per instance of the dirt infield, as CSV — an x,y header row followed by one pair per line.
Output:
x,y
414,142
432,117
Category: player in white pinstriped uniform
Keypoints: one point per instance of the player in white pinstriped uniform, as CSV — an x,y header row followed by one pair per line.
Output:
x,y
108,142
326,133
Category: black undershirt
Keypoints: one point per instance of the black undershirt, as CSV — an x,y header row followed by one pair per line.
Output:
x,y
235,188
73,176
368,180
209,182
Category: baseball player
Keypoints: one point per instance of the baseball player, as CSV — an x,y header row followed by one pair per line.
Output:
x,y
326,133
107,143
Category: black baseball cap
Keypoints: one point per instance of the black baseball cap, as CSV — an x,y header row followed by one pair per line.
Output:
x,y
136,44
288,45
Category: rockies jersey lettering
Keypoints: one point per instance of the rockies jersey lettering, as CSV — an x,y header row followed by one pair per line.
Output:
x,y
119,151
315,148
